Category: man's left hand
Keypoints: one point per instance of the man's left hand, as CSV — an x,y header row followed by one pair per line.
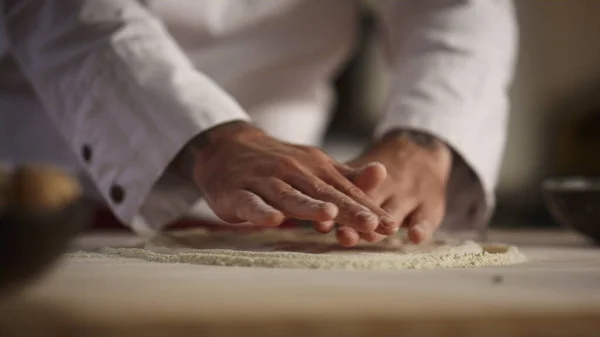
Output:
x,y
406,174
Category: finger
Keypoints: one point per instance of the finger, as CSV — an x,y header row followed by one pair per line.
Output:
x,y
424,221
349,235
386,221
420,233
350,212
346,236
250,207
372,237
292,202
324,227
369,176
399,209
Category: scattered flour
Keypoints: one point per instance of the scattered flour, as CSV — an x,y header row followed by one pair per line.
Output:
x,y
307,249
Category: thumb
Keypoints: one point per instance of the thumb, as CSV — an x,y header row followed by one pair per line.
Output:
x,y
368,177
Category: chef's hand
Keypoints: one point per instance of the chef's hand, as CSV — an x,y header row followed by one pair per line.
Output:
x,y
247,176
407,178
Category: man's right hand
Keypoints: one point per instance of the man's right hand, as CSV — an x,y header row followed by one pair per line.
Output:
x,y
247,176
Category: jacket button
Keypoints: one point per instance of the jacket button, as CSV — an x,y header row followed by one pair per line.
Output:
x,y
117,194
86,153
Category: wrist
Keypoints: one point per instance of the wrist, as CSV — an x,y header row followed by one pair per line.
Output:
x,y
208,142
204,146
414,140
422,139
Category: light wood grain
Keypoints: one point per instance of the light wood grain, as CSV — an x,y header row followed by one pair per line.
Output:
x,y
554,295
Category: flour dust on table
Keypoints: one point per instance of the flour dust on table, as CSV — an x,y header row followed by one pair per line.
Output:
x,y
303,248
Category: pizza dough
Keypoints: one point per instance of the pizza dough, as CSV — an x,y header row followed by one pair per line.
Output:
x,y
301,248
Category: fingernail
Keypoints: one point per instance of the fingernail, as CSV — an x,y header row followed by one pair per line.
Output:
x,y
388,222
371,164
392,231
366,216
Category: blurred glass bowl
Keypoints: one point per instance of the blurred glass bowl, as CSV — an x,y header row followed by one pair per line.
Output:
x,y
575,202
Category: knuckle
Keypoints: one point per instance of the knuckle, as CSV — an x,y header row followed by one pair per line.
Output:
x,y
288,163
254,183
281,189
317,153
244,199
301,199
350,189
322,189
317,187
286,195
325,171
271,183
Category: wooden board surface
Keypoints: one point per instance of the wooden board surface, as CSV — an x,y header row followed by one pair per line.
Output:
x,y
555,294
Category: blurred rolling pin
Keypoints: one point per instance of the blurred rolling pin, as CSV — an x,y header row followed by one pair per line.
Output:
x,y
41,210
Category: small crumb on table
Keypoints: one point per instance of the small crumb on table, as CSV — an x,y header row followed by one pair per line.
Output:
x,y
497,279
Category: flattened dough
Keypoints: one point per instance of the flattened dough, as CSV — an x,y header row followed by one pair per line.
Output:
x,y
300,248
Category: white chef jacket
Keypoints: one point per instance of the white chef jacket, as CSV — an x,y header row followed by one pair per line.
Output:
x,y
117,87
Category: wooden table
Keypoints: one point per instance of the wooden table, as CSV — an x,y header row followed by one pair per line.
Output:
x,y
556,294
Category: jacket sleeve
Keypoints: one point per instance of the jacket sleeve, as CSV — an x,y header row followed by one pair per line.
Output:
x,y
452,63
122,93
